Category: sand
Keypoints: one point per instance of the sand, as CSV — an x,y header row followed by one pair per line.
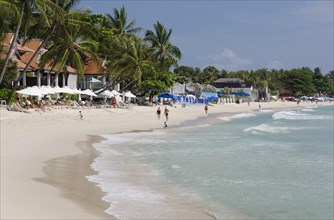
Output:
x,y
45,156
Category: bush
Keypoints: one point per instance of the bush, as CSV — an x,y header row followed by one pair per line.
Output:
x,y
5,95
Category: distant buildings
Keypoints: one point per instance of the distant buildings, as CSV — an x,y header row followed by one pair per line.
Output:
x,y
229,82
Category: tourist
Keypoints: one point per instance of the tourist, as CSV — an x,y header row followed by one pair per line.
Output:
x,y
158,112
165,125
206,108
166,113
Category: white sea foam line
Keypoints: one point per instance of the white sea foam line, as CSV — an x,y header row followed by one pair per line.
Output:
x,y
266,110
237,116
270,129
292,115
195,126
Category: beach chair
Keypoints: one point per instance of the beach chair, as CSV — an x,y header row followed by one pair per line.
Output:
x,y
16,107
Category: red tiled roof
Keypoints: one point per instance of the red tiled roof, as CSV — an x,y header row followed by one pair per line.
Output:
x,y
20,64
92,67
33,44
8,40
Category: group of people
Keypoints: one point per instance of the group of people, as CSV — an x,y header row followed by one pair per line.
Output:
x,y
166,111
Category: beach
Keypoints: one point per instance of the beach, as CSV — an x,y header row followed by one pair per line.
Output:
x,y
46,156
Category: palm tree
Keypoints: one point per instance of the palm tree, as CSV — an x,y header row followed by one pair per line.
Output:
x,y
26,9
66,52
163,48
61,18
118,22
131,60
9,13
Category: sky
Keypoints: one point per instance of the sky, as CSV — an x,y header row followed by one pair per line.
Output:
x,y
239,35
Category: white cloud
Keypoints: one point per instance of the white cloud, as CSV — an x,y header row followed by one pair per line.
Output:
x,y
317,11
227,60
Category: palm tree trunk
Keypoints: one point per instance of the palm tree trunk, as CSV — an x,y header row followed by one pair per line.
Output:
x,y
11,48
130,83
36,52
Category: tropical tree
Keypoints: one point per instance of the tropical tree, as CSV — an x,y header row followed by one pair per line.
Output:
x,y
60,18
298,81
118,21
318,80
66,52
9,14
26,9
166,53
155,82
209,74
130,59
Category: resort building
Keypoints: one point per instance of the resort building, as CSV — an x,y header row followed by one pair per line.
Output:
x,y
94,76
178,89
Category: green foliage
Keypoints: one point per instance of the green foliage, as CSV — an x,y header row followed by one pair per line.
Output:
x,y
10,74
157,82
299,82
6,94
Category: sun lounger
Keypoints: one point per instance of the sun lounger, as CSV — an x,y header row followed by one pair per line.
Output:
x,y
16,107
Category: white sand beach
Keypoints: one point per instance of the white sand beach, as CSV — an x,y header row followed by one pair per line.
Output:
x,y
31,140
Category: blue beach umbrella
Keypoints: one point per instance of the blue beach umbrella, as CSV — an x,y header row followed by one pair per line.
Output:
x,y
167,95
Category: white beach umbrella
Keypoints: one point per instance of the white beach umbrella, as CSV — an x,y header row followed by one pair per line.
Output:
x,y
47,90
88,92
67,90
115,93
76,91
64,89
31,91
105,93
129,94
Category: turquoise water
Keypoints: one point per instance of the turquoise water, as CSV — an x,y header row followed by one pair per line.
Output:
x,y
263,165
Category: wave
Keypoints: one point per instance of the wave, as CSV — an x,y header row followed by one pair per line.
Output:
x,y
133,137
237,116
195,126
293,115
266,128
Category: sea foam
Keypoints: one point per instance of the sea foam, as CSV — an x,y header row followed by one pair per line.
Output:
x,y
237,116
268,128
293,115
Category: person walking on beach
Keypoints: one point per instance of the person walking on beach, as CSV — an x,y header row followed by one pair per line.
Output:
x,y
206,108
165,125
158,112
166,113
80,115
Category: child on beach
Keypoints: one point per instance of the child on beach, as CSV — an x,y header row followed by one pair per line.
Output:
x,y
80,115
165,125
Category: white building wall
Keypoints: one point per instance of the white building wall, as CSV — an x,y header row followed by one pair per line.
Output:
x,y
72,81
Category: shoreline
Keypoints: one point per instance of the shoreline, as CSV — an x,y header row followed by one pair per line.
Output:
x,y
64,174
30,141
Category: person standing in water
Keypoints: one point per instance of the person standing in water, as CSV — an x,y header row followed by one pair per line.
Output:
x,y
206,108
166,113
158,112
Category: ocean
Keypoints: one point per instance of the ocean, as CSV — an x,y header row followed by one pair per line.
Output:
x,y
262,165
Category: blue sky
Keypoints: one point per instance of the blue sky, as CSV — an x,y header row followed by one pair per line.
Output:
x,y
235,35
